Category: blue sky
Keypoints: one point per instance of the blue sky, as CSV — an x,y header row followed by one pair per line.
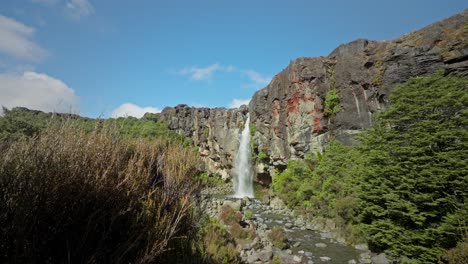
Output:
x,y
111,57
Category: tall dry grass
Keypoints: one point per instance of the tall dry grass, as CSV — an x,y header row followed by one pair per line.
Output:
x,y
67,196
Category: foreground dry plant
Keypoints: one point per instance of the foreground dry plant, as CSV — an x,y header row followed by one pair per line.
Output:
x,y
68,196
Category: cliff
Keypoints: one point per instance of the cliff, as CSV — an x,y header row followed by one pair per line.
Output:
x,y
288,117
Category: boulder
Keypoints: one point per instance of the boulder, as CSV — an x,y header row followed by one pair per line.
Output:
x,y
235,205
276,203
380,259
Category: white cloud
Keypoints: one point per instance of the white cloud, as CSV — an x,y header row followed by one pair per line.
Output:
x,y
129,109
198,74
37,91
236,103
16,40
79,8
257,79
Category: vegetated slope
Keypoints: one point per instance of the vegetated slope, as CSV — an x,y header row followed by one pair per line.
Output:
x,y
404,189
19,121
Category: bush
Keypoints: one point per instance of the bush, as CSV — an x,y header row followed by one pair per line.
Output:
x,y
241,234
276,260
456,255
332,104
228,216
217,244
208,180
260,191
263,157
74,197
248,214
277,237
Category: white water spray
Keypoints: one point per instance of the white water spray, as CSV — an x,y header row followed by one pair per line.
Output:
x,y
243,175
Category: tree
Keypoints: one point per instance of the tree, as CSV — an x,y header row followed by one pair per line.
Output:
x,y
414,189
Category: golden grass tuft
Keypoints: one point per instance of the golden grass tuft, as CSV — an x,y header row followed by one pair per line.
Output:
x,y
68,196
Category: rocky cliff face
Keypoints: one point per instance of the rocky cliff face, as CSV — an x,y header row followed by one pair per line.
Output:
x,y
215,131
287,116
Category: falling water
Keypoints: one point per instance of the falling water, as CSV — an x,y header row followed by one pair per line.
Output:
x,y
243,178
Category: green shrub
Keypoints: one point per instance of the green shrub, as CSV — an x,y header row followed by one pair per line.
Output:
x,y
210,180
332,103
69,196
217,245
228,216
248,214
260,191
253,129
263,157
276,260
277,237
241,234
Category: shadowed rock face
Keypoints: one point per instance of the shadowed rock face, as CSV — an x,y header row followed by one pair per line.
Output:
x,y
288,114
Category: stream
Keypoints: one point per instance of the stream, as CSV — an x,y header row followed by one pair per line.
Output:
x,y
307,242
310,244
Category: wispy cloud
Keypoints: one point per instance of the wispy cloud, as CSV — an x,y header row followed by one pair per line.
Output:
x,y
37,91
257,80
129,109
73,9
236,103
199,73
16,40
230,68
78,9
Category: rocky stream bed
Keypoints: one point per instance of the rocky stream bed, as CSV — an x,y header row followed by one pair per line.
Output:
x,y
306,242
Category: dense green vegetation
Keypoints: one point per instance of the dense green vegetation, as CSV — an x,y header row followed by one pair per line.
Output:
x,y
21,121
324,186
404,189
415,186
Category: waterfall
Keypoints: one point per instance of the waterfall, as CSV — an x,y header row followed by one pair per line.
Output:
x,y
243,175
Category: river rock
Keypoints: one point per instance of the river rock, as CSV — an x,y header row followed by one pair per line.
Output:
x,y
297,259
380,259
361,247
265,255
325,259
276,203
365,258
235,205
321,245
252,258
